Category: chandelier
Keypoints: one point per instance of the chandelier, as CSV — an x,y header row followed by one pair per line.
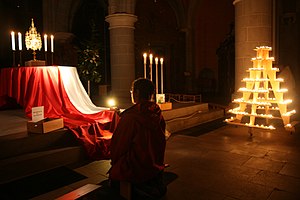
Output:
x,y
33,40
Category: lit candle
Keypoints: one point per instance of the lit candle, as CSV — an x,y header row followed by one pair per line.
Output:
x,y
52,43
45,42
20,41
145,62
145,58
151,59
156,73
162,75
13,42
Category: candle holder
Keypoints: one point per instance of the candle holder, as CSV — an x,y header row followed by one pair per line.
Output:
x,y
14,58
13,47
52,58
46,59
20,58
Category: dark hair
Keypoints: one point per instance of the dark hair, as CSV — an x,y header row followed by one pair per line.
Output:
x,y
145,88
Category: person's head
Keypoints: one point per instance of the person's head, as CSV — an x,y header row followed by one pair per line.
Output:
x,y
142,90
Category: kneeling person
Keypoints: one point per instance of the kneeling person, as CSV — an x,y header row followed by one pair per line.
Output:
x,y
138,143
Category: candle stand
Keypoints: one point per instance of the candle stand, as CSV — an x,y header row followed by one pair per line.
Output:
x,y
20,58
160,98
14,59
263,99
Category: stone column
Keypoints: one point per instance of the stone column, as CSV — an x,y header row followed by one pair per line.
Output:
x,y
253,27
121,27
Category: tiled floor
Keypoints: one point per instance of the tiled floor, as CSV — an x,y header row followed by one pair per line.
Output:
x,y
225,163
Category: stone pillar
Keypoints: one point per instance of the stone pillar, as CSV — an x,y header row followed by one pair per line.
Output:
x,y
253,27
121,27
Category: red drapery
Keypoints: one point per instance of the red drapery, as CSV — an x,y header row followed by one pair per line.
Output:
x,y
43,86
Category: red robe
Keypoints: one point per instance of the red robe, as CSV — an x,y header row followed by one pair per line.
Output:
x,y
138,144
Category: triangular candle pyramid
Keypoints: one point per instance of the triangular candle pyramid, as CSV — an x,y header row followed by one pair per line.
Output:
x,y
263,99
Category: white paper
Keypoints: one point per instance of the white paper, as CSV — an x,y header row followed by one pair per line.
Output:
x,y
160,98
37,113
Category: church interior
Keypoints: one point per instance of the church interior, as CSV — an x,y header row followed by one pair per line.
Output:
x,y
226,75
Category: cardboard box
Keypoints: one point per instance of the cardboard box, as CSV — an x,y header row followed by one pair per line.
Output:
x,y
45,126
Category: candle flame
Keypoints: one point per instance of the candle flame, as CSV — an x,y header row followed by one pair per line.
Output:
x,y
13,44
151,57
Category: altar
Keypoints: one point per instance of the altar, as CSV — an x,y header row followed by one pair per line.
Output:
x,y
59,90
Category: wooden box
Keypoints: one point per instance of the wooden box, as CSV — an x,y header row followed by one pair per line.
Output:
x,y
165,106
45,126
32,63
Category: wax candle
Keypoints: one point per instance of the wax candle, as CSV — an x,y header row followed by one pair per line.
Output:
x,y
13,42
151,60
156,75
20,41
145,58
45,43
52,43
162,75
145,63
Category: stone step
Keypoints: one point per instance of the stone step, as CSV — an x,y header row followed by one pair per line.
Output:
x,y
181,110
28,155
29,143
196,118
31,163
84,192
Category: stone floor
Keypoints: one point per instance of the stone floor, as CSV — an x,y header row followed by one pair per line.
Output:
x,y
223,163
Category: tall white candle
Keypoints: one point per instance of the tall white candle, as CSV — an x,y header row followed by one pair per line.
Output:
x,y
52,43
145,58
45,43
145,63
13,41
156,74
20,41
151,60
162,75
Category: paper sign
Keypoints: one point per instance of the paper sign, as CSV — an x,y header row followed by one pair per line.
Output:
x,y
160,98
37,113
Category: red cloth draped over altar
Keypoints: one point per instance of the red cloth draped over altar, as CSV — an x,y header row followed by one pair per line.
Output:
x,y
61,93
